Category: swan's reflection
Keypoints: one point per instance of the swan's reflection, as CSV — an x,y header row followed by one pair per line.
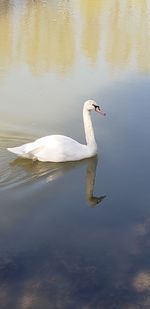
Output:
x,y
51,171
90,181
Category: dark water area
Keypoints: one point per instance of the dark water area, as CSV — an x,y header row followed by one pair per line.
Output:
x,y
76,234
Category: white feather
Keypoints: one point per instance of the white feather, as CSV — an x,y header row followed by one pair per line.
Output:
x,y
60,148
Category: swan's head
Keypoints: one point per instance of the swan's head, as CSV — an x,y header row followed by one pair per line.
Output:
x,y
92,105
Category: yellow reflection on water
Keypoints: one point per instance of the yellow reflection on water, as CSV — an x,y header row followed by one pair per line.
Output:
x,y
143,37
91,12
119,41
128,38
48,36
5,36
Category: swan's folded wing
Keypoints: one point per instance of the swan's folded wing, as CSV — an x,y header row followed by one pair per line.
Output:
x,y
32,147
26,150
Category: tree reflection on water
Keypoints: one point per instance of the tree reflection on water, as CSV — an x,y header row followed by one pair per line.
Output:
x,y
48,37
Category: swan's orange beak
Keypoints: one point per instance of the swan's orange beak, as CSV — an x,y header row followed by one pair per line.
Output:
x,y
98,110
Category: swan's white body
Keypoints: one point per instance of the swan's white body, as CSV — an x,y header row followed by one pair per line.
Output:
x,y
60,148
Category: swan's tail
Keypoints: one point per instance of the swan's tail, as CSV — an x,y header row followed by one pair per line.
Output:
x,y
21,151
16,150
26,151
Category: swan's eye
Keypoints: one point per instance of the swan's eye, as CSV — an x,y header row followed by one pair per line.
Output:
x,y
96,107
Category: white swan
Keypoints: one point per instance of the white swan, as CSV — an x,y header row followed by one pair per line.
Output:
x,y
60,148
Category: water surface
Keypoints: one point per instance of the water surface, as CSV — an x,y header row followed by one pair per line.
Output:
x,y
75,235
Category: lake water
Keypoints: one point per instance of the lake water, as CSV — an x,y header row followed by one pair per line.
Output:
x,y
65,241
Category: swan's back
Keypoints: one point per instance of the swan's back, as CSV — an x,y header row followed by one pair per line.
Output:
x,y
59,148
54,148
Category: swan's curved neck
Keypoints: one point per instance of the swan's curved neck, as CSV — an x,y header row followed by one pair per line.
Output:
x,y
89,132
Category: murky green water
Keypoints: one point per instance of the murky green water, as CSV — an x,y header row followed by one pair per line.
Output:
x,y
62,244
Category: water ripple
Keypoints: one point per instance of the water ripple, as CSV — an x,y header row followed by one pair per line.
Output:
x,y
11,174
16,172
